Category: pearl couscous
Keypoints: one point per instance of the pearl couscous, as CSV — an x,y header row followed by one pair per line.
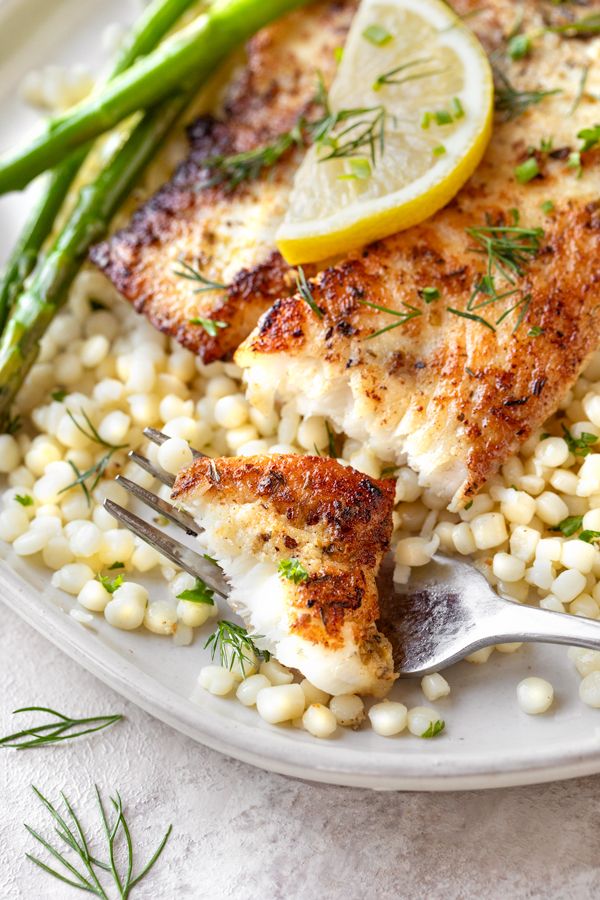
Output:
x,y
104,374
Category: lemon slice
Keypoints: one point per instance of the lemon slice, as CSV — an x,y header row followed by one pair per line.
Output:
x,y
414,101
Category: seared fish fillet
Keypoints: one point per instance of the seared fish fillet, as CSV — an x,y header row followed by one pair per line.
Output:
x,y
228,235
449,394
336,523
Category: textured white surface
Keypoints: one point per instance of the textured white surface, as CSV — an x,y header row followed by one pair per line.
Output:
x,y
240,832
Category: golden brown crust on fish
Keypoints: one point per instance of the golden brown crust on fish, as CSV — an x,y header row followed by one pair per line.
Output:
x,y
336,521
453,395
228,233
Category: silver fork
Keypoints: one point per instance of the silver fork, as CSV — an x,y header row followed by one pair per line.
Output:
x,y
447,612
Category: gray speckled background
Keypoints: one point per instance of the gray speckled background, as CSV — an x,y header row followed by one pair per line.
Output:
x,y
239,832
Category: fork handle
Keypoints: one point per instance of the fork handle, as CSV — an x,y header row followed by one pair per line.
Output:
x,y
515,622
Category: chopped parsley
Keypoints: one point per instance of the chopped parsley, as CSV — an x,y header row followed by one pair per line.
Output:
x,y
59,396
440,150
116,565
200,593
569,526
293,570
589,536
547,206
24,499
590,137
580,446
535,331
110,584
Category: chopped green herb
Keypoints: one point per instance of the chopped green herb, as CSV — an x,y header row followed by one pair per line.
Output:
x,y
59,396
574,162
519,46
457,108
200,593
116,565
306,293
590,537
468,505
96,471
569,526
234,644
110,584
590,137
527,170
360,169
547,206
440,150
331,448
211,326
443,117
377,35
434,728
210,559
581,446
429,294
535,331
338,54
24,499
293,570
508,248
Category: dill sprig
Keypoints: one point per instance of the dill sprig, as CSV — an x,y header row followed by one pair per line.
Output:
x,y
512,102
306,293
401,74
403,316
508,248
234,644
191,273
64,729
587,25
235,168
211,326
80,864
364,128
98,469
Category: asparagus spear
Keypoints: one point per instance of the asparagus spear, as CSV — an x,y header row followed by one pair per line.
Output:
x,y
184,59
96,205
156,20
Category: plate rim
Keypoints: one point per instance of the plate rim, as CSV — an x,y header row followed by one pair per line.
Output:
x,y
275,749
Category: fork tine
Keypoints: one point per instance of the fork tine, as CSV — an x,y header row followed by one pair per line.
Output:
x,y
177,516
187,559
147,466
159,437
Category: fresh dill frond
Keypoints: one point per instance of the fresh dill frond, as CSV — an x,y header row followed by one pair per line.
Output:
x,y
507,248
235,168
587,25
403,316
331,437
233,643
468,315
65,728
306,293
403,73
364,128
511,102
191,273
96,471
85,874
585,71
293,570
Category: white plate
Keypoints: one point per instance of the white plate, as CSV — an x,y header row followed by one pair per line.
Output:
x,y
488,742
